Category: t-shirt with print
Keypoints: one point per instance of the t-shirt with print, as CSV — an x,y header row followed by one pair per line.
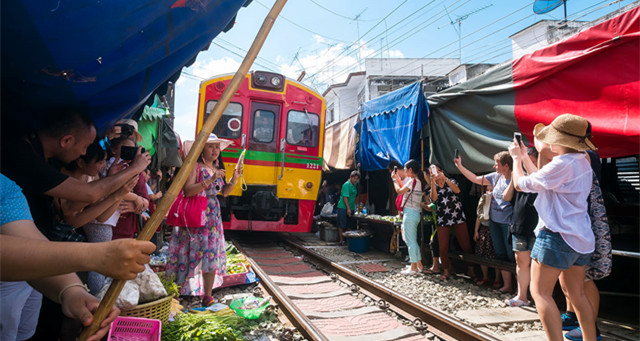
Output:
x,y
13,204
501,210
448,206
350,191
23,162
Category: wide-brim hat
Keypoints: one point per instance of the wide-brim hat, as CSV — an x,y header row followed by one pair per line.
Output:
x,y
566,130
134,124
223,143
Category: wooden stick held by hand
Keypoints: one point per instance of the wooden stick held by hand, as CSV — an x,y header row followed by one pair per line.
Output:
x,y
170,196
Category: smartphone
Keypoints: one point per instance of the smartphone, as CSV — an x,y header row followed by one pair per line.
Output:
x,y
456,153
434,170
129,153
518,138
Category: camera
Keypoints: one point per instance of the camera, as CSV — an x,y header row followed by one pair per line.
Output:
x,y
129,153
126,130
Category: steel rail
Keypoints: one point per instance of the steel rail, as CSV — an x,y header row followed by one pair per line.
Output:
x,y
295,315
432,317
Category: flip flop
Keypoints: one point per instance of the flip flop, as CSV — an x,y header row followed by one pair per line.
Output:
x,y
444,277
482,282
431,272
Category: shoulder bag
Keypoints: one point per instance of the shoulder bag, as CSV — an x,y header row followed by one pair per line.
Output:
x,y
189,211
601,259
484,204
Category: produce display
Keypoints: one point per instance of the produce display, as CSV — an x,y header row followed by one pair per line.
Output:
x,y
391,219
206,327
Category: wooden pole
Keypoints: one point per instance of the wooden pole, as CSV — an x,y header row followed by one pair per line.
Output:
x,y
169,197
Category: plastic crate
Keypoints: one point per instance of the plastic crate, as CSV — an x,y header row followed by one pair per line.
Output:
x,y
235,279
135,329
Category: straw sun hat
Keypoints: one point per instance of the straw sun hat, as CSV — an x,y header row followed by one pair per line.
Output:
x,y
566,130
223,143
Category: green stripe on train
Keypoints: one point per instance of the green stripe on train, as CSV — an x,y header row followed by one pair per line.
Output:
x,y
271,157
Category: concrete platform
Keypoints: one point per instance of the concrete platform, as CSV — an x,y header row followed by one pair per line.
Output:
x,y
480,317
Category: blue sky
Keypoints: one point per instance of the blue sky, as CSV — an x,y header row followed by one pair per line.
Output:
x,y
331,38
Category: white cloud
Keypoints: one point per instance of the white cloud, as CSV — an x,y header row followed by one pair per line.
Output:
x,y
212,67
327,63
395,54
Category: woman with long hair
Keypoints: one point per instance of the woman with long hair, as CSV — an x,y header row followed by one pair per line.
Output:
x,y
449,215
203,246
412,197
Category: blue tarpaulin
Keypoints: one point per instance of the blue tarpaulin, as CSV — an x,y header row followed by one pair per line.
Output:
x,y
389,127
106,57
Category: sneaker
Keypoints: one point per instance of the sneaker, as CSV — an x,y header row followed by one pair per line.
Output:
x,y
208,301
569,322
516,302
408,272
576,334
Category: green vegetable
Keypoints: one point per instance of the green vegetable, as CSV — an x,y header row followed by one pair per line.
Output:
x,y
210,327
169,285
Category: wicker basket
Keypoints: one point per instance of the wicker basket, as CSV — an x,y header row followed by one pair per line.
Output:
x,y
158,309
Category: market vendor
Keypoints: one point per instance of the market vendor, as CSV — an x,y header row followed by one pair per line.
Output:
x,y
347,204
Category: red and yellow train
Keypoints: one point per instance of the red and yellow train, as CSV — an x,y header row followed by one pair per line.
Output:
x,y
280,124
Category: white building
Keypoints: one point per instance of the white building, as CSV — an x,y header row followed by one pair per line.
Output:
x,y
383,75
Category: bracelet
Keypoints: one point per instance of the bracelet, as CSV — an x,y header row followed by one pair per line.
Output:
x,y
69,287
203,184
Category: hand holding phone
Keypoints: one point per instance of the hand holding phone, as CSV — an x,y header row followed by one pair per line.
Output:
x,y
456,153
434,170
518,138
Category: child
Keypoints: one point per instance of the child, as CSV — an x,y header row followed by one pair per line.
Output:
x,y
484,247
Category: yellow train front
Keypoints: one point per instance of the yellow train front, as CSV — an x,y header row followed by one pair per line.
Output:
x,y
280,123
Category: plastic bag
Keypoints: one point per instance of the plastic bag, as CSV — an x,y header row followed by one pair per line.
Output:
x,y
327,210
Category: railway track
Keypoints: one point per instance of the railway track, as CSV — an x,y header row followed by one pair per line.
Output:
x,y
327,301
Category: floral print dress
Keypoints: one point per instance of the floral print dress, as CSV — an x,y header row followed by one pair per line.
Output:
x,y
193,251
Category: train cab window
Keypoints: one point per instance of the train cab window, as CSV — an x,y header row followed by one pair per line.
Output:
x,y
263,126
302,128
230,123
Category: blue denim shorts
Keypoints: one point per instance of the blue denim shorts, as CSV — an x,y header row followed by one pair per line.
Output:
x,y
551,250
522,243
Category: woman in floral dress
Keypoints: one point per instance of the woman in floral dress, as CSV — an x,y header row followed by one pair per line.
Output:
x,y
195,249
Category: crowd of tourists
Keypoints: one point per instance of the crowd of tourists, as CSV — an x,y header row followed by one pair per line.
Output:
x,y
541,208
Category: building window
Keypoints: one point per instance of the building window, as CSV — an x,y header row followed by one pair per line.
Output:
x,y
330,114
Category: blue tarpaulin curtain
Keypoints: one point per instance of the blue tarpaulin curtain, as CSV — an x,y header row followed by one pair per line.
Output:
x,y
106,57
390,126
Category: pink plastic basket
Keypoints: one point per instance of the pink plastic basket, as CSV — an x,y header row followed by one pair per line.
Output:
x,y
135,329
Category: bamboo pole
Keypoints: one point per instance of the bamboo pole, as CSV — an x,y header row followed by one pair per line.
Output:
x,y
169,197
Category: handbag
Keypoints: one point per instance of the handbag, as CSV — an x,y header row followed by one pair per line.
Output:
x,y
189,211
601,259
63,232
484,205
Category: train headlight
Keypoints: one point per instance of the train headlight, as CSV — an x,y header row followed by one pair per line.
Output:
x,y
275,81
309,185
261,79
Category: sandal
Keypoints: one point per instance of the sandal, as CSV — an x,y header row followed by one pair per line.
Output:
x,y
516,302
431,272
444,277
208,301
497,285
482,282
503,291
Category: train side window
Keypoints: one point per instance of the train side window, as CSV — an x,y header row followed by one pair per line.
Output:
x,y
230,123
303,128
263,126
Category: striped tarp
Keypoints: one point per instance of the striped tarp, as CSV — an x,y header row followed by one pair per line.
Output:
x,y
339,145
